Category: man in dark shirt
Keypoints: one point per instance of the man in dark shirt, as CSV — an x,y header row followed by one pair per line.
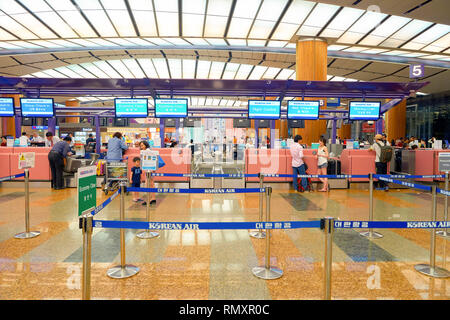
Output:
x,y
56,156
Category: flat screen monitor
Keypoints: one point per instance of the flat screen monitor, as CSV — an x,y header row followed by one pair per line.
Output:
x,y
131,108
6,107
303,110
242,123
264,109
37,108
262,123
171,108
364,110
296,123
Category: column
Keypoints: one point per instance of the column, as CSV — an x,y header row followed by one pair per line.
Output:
x,y
395,121
74,104
161,132
311,65
272,133
98,138
9,123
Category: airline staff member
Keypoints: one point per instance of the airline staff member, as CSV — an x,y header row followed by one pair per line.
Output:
x,y
56,159
50,139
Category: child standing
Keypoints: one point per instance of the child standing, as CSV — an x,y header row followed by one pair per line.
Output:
x,y
136,172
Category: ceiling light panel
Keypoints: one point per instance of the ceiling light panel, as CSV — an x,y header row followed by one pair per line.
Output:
x,y
15,28
261,29
161,67
285,74
68,72
197,41
257,73
342,22
203,69
243,71
177,41
102,42
215,26
239,27
24,44
92,68
122,21
134,67
148,67
432,34
121,68
216,42
77,23
6,35
101,23
11,7
145,21
81,71
317,19
237,42
105,67
188,68
61,5
175,68
159,41
167,24
41,74
364,24
113,4
271,10
193,25
139,42
411,29
230,70
391,25
277,44
216,70
246,9
292,19
439,44
271,73
57,24
89,4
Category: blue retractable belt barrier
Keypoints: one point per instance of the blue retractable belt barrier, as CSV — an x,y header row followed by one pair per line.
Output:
x,y
205,175
12,177
105,203
391,224
404,183
444,192
205,225
176,190
401,176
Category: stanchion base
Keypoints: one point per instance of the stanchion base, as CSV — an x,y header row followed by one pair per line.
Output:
x,y
119,272
443,234
147,234
27,235
435,272
371,235
257,234
267,274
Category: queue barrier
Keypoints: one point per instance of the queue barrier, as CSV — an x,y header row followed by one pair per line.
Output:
x,y
27,234
265,272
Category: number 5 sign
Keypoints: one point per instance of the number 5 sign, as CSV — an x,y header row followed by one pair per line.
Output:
x,y
416,71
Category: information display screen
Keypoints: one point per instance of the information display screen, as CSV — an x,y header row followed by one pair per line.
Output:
x,y
303,110
37,108
364,110
171,108
6,107
131,108
264,109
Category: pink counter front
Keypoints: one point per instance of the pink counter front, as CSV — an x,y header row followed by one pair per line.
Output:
x,y
9,162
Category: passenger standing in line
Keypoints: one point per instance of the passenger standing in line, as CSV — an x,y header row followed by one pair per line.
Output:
x,y
144,146
56,159
381,168
322,162
115,147
298,166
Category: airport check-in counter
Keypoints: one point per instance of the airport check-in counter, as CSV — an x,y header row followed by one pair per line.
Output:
x,y
72,165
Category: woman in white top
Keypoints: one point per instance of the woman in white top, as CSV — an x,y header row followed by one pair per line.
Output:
x,y
322,162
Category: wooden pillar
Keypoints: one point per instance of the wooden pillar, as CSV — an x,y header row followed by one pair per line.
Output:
x,y
75,104
311,64
9,125
395,121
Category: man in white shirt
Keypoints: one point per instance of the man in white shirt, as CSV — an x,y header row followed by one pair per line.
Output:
x,y
37,137
298,166
50,139
23,140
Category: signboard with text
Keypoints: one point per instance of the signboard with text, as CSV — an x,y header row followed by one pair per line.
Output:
x,y
444,161
87,189
26,160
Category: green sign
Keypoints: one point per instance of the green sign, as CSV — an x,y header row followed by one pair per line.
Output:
x,y
87,189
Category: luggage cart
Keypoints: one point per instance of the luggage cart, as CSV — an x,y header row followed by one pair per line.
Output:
x,y
116,171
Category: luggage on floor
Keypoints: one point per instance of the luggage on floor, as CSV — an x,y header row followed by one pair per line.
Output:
x,y
334,166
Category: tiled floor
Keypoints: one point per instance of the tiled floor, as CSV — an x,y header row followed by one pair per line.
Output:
x,y
217,264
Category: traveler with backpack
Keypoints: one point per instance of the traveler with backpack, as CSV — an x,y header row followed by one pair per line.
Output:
x,y
383,154
298,166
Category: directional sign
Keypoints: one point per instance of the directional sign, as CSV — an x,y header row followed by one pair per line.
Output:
x,y
87,189
416,71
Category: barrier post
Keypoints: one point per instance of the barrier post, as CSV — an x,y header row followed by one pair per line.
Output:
x,y
27,234
430,269
267,272
147,234
328,225
371,234
123,270
260,234
444,233
86,225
